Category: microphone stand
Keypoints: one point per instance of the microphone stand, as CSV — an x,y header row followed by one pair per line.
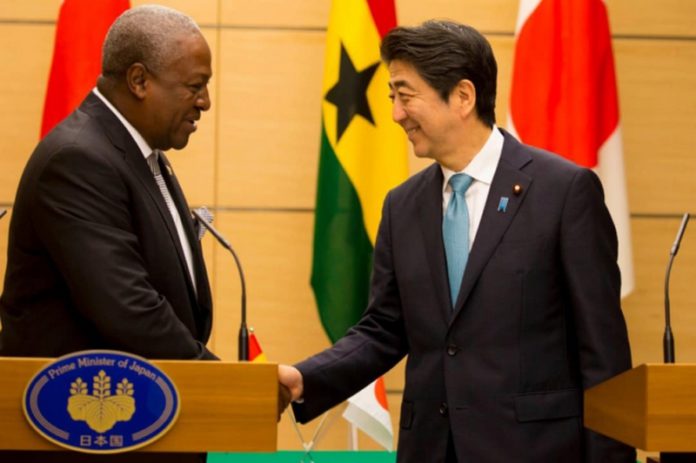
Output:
x,y
668,338
2,213
243,339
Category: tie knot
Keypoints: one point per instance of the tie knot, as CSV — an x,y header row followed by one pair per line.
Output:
x,y
460,183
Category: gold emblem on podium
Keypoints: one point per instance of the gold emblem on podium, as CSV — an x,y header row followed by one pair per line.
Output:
x,y
101,410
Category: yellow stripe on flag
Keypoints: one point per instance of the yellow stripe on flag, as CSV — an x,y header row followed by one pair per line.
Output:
x,y
373,156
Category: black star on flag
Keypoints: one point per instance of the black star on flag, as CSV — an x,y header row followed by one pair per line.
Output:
x,y
349,94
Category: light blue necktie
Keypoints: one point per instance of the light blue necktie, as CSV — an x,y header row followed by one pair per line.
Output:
x,y
455,232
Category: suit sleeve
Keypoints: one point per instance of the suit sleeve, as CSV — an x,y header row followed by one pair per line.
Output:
x,y
589,252
82,215
369,349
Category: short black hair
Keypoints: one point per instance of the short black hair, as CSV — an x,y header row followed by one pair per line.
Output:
x,y
443,53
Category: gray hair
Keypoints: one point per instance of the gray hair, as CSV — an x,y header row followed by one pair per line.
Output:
x,y
146,34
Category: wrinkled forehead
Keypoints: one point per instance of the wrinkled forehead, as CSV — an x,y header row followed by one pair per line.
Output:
x,y
190,53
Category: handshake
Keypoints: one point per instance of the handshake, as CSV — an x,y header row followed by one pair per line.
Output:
x,y
290,387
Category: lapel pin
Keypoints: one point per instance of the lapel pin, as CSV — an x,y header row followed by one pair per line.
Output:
x,y
169,169
502,205
517,189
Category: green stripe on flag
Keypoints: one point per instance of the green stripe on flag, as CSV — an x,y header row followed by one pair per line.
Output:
x,y
342,261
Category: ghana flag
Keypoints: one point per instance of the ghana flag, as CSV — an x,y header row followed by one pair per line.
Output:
x,y
363,155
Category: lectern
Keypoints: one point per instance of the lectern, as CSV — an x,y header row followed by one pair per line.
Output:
x,y
651,407
225,407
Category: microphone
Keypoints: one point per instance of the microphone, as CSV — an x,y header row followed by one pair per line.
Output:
x,y
668,339
2,213
243,340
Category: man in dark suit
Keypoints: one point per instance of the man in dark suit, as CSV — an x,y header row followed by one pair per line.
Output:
x,y
102,249
494,271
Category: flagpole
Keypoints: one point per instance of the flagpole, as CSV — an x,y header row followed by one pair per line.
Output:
x,y
319,432
353,437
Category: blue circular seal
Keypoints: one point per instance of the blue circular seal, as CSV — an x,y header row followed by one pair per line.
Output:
x,y
101,402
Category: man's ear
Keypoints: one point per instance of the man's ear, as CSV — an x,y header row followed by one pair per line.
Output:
x,y
137,79
464,95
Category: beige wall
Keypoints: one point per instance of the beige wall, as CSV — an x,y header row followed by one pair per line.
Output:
x,y
255,156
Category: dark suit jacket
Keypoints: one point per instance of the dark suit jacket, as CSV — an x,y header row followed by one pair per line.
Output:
x,y
94,260
538,319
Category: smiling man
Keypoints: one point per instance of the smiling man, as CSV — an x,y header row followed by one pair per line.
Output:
x,y
102,249
494,271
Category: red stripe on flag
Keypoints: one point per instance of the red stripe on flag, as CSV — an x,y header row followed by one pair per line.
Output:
x,y
381,393
80,31
254,347
563,97
383,14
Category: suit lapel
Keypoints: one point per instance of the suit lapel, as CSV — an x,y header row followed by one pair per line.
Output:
x,y
200,298
122,140
196,252
138,164
430,221
495,222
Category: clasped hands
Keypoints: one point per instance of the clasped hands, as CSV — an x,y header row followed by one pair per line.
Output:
x,y
290,387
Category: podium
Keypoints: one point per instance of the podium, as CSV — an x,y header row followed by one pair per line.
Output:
x,y
225,407
651,407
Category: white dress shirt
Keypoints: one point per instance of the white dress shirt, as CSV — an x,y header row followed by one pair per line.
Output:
x,y
481,168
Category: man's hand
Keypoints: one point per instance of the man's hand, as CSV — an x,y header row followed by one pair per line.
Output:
x,y
284,399
290,386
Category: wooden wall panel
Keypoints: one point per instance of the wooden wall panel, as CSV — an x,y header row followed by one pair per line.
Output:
x,y
203,11
275,250
648,18
22,92
275,14
485,15
35,10
658,114
269,117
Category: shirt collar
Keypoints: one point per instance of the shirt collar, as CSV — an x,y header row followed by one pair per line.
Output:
x,y
139,140
483,165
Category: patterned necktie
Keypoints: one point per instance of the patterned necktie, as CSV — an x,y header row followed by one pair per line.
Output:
x,y
152,162
455,232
